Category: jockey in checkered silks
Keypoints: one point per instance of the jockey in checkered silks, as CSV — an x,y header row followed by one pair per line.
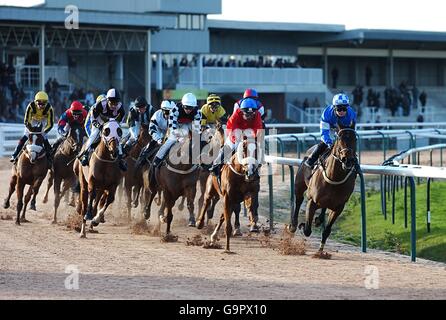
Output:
x,y
102,111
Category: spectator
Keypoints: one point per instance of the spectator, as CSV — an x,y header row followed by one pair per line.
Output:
x,y
420,119
316,103
368,75
423,98
334,77
306,104
415,94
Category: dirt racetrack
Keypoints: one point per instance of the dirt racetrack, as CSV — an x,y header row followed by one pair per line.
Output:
x,y
117,264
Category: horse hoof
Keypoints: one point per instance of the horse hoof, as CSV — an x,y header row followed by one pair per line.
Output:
x,y
199,224
32,207
102,219
72,204
17,222
6,205
162,219
147,216
292,229
228,252
302,225
237,233
94,223
135,205
317,222
54,222
254,228
23,220
83,236
191,223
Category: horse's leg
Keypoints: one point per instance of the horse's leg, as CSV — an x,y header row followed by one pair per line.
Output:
x,y
98,200
57,196
332,216
228,226
252,204
311,209
25,204
190,194
320,220
36,187
19,190
237,232
91,197
217,228
300,187
210,211
12,186
109,201
210,194
49,185
128,193
202,183
135,196
181,205
169,206
162,208
83,202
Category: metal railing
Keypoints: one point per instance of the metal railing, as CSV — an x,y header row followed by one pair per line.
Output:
x,y
409,172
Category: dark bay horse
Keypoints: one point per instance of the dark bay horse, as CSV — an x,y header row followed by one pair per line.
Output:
x,y
100,179
329,185
30,169
133,178
175,180
63,165
240,181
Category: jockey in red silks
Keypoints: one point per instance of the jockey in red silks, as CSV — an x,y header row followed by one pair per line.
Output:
x,y
244,122
75,114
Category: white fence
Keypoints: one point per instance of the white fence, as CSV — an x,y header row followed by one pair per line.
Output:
x,y
11,133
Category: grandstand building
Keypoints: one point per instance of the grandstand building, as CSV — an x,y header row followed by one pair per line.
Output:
x,y
164,47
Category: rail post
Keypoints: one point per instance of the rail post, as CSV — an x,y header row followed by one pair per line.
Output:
x,y
428,205
282,154
292,190
393,198
363,213
413,221
271,197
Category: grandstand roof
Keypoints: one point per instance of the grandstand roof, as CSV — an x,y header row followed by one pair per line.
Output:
x,y
39,15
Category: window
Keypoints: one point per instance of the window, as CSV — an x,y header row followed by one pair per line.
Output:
x,y
182,21
191,22
196,22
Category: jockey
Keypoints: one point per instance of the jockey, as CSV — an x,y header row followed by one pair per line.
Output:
x,y
101,113
213,112
251,94
244,118
90,112
184,116
139,114
157,130
38,112
340,113
75,114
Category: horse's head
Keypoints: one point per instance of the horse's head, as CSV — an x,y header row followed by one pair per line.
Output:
x,y
344,149
35,147
76,137
143,135
246,159
111,134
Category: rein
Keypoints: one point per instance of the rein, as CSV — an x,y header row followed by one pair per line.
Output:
x,y
103,160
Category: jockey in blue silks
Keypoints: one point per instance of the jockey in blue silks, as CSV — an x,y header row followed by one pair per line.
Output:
x,y
340,113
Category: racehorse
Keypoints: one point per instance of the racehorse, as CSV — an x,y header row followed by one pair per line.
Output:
x,y
133,179
329,185
63,165
240,181
100,178
30,169
175,180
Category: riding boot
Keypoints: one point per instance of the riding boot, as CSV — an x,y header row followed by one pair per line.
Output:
x,y
48,151
126,149
83,157
215,170
18,149
122,163
157,162
321,147
142,159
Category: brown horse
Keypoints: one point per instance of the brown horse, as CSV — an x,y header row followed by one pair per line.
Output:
x,y
101,178
240,181
63,166
329,185
30,169
175,180
133,179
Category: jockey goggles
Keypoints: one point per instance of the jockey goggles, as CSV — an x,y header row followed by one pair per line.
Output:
x,y
41,103
341,108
